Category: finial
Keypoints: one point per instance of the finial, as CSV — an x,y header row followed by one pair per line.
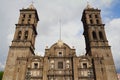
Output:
x,y
46,47
31,6
88,5
60,42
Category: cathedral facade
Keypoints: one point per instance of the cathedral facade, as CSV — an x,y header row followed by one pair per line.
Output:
x,y
60,61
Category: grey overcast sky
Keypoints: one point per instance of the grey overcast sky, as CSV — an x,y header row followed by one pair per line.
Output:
x,y
50,12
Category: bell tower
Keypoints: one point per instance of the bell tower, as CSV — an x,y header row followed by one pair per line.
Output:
x,y
26,28
22,44
94,32
97,45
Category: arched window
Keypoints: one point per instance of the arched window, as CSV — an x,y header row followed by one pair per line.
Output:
x,y
28,21
29,15
101,35
23,15
26,35
60,53
97,21
22,21
94,35
19,35
84,65
60,65
35,65
96,16
91,22
90,16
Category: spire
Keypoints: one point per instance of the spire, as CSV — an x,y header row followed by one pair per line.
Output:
x,y
60,42
60,29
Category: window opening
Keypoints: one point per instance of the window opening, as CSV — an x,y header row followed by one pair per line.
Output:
x,y
22,21
97,21
28,21
23,15
30,16
94,35
26,35
19,35
91,22
96,16
60,65
60,53
90,16
101,35
84,65
35,65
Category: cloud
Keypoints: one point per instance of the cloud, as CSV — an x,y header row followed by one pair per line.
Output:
x,y
71,34
102,3
113,30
